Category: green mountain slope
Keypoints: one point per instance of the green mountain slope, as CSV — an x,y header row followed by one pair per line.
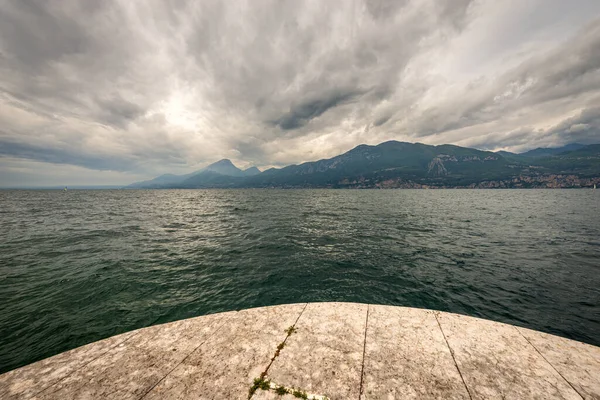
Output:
x,y
584,162
408,165
389,161
543,152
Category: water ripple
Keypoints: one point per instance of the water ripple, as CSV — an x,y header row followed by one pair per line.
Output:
x,y
79,266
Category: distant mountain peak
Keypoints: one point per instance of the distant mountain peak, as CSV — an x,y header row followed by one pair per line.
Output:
x,y
223,167
222,162
251,171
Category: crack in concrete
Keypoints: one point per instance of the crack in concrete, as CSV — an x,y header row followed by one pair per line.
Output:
x,y
186,357
280,346
362,370
82,366
549,363
299,393
452,354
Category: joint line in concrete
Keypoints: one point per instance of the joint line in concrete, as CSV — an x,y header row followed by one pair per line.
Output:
x,y
452,354
549,363
284,340
297,319
83,366
362,369
186,357
264,373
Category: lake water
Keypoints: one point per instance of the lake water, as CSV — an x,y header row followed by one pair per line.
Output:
x,y
79,266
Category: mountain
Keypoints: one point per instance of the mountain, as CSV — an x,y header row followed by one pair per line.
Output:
x,y
506,153
584,161
251,171
159,182
591,150
407,165
543,152
222,167
389,161
222,174
208,179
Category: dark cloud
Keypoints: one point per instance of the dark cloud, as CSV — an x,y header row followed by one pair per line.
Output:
x,y
581,128
42,32
543,81
118,111
300,114
381,120
384,8
64,156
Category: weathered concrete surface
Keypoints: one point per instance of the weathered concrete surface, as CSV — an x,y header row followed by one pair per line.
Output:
x,y
497,362
407,357
225,366
578,363
324,355
270,395
131,369
340,350
30,380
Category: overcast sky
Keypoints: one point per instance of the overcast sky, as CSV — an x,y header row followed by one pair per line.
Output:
x,y
110,92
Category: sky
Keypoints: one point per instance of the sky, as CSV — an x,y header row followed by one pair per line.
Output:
x,y
115,91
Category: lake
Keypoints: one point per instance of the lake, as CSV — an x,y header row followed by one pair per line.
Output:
x,y
81,265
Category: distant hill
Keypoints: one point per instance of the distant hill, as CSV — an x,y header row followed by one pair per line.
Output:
x,y
251,171
591,150
543,152
506,153
223,167
584,161
159,182
408,165
202,177
209,179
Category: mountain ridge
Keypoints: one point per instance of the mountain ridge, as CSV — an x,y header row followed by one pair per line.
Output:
x,y
222,167
546,151
395,164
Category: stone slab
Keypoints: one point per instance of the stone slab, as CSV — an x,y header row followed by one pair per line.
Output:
x,y
25,382
578,363
225,366
406,357
497,362
133,367
324,355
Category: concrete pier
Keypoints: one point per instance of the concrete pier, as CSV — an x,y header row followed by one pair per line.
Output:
x,y
318,351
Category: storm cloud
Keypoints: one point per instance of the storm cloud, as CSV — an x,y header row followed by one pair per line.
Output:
x,y
135,89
